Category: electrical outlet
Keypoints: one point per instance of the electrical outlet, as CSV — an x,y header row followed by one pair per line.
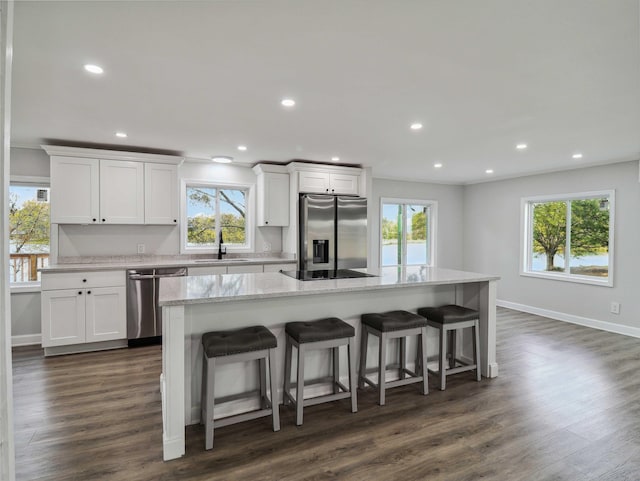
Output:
x,y
140,248
615,307
266,247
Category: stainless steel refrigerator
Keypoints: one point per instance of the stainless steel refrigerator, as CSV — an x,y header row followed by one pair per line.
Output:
x,y
333,232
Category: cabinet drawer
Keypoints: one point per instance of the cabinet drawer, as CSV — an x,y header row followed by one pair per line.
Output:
x,y
279,267
74,280
252,269
207,270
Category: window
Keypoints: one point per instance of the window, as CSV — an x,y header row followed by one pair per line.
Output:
x,y
570,237
407,232
28,232
211,209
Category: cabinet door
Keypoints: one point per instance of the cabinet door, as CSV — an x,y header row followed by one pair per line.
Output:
x,y
244,269
279,267
315,182
106,316
121,192
63,317
160,194
75,188
207,270
273,199
344,184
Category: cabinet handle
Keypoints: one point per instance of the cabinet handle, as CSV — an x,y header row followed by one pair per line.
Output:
x,y
104,220
88,292
175,220
84,280
94,220
266,221
79,293
333,190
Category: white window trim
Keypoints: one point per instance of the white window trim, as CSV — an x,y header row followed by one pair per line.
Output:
x,y
250,188
433,223
526,241
35,181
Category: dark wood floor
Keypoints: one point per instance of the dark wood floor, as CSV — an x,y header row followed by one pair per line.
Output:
x,y
565,407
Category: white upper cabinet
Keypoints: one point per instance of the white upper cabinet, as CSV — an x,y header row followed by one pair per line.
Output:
x,y
121,192
273,199
75,187
90,186
161,194
328,183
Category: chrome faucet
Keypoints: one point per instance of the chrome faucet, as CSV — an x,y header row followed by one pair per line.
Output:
x,y
221,250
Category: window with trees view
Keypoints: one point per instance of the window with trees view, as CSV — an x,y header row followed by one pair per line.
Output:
x,y
407,232
28,232
570,237
211,209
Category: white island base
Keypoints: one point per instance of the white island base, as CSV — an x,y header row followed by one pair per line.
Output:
x,y
196,304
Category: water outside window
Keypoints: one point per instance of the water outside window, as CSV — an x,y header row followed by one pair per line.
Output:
x,y
585,244
405,236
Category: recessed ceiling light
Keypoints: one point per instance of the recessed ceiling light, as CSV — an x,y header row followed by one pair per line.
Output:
x,y
335,159
288,102
242,148
521,146
437,165
122,135
416,126
93,68
577,156
222,159
489,171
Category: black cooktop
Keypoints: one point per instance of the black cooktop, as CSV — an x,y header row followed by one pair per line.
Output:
x,y
328,274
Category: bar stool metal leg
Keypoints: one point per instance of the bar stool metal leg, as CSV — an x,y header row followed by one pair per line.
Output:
x,y
262,374
382,370
443,358
423,360
210,402
403,357
300,386
287,372
476,350
352,374
336,369
364,342
274,390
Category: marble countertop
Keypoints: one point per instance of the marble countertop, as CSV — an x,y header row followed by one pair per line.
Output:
x,y
142,263
239,287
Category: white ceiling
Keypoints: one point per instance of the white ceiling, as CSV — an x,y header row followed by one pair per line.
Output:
x,y
201,78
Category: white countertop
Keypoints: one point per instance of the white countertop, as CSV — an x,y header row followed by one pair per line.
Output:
x,y
150,263
239,287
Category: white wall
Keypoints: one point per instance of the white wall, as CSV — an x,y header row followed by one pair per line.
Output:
x,y
449,229
493,242
25,317
30,162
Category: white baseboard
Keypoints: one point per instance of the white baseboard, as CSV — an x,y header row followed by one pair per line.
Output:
x,y
582,321
26,340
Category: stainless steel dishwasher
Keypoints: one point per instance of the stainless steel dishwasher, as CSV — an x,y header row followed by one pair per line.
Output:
x,y
144,317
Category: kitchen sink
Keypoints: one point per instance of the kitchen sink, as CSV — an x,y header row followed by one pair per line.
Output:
x,y
214,261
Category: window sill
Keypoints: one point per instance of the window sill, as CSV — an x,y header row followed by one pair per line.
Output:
x,y
608,282
24,288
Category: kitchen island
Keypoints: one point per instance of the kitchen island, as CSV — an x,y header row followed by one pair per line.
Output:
x,y
193,305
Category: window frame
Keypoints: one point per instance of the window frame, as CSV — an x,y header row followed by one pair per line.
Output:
x,y
31,181
526,230
249,190
431,230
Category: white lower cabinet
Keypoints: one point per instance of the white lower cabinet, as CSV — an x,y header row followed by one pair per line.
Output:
x,y
279,267
88,312
250,269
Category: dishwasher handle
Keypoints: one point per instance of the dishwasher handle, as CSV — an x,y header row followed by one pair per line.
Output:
x,y
137,277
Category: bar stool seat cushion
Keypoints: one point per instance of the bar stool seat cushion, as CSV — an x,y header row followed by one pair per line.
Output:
x,y
236,341
393,321
448,314
320,330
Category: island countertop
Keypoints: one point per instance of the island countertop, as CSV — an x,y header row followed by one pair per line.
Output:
x,y
239,287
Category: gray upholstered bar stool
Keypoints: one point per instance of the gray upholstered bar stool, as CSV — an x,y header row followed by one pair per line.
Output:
x,y
393,325
448,319
238,345
329,333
